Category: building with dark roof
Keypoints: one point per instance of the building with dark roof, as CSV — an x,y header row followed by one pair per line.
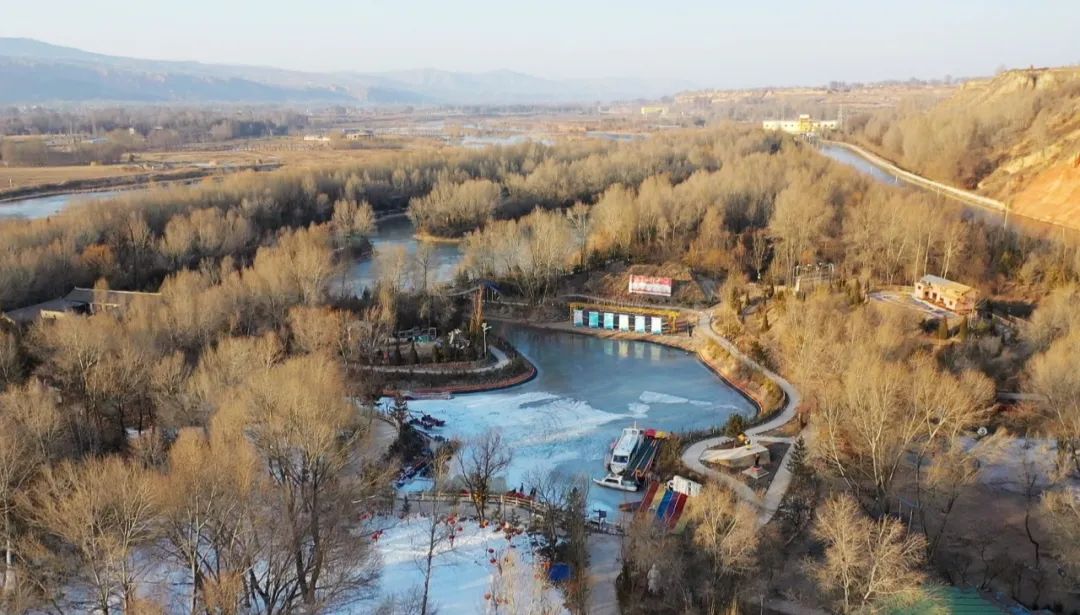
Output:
x,y
78,301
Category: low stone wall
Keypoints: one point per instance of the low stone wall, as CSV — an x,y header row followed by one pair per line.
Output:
x,y
462,388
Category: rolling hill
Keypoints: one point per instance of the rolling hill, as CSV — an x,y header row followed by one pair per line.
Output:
x,y
32,71
1014,137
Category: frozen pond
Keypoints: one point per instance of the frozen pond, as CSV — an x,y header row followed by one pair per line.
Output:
x,y
399,231
45,206
586,391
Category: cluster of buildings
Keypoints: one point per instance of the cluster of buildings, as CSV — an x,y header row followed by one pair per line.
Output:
x,y
654,110
625,318
802,126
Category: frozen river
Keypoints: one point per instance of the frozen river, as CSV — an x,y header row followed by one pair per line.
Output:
x,y
857,162
586,391
44,206
394,232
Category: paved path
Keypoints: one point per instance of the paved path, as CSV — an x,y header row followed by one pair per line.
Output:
x,y
605,563
768,503
964,196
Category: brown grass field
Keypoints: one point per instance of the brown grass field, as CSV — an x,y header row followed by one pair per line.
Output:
x,y
289,152
20,177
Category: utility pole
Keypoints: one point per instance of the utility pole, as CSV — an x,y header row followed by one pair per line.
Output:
x,y
485,327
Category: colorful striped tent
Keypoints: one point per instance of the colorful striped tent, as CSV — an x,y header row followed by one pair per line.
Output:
x,y
667,506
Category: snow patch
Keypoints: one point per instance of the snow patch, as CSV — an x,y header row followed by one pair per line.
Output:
x,y
652,397
461,574
1007,464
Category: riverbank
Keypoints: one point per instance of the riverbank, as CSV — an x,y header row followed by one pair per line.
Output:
x,y
1008,214
429,238
120,182
958,194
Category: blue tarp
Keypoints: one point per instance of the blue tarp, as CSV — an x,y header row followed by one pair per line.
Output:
x,y
559,573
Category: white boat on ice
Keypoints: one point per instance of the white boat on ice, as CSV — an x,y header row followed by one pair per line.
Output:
x,y
616,481
623,448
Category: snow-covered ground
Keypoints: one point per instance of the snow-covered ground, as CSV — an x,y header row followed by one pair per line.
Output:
x,y
462,572
1009,463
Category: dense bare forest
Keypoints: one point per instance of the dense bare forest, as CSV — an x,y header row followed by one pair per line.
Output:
x,y
996,135
213,430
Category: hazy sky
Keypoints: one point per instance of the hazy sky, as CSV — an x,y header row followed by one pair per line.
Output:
x,y
717,43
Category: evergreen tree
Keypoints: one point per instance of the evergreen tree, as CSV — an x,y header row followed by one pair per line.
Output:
x,y
400,410
799,464
735,425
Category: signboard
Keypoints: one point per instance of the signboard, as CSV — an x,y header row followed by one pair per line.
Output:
x,y
657,325
648,285
639,324
594,319
624,322
609,320
579,318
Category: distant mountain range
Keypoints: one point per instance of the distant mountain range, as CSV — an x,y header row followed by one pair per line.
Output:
x,y
32,71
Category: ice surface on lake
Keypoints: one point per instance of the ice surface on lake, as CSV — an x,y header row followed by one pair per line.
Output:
x,y
652,397
586,391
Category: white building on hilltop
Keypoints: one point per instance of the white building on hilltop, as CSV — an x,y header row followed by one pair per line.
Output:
x,y
802,126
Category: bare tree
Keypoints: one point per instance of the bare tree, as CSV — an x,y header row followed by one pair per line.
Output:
x,y
11,360
352,221
203,498
1054,375
520,589
725,530
865,560
480,462
440,528
1062,508
304,549
580,221
422,263
104,510
30,438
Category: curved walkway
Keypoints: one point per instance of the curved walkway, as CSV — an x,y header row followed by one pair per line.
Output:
x,y
691,457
